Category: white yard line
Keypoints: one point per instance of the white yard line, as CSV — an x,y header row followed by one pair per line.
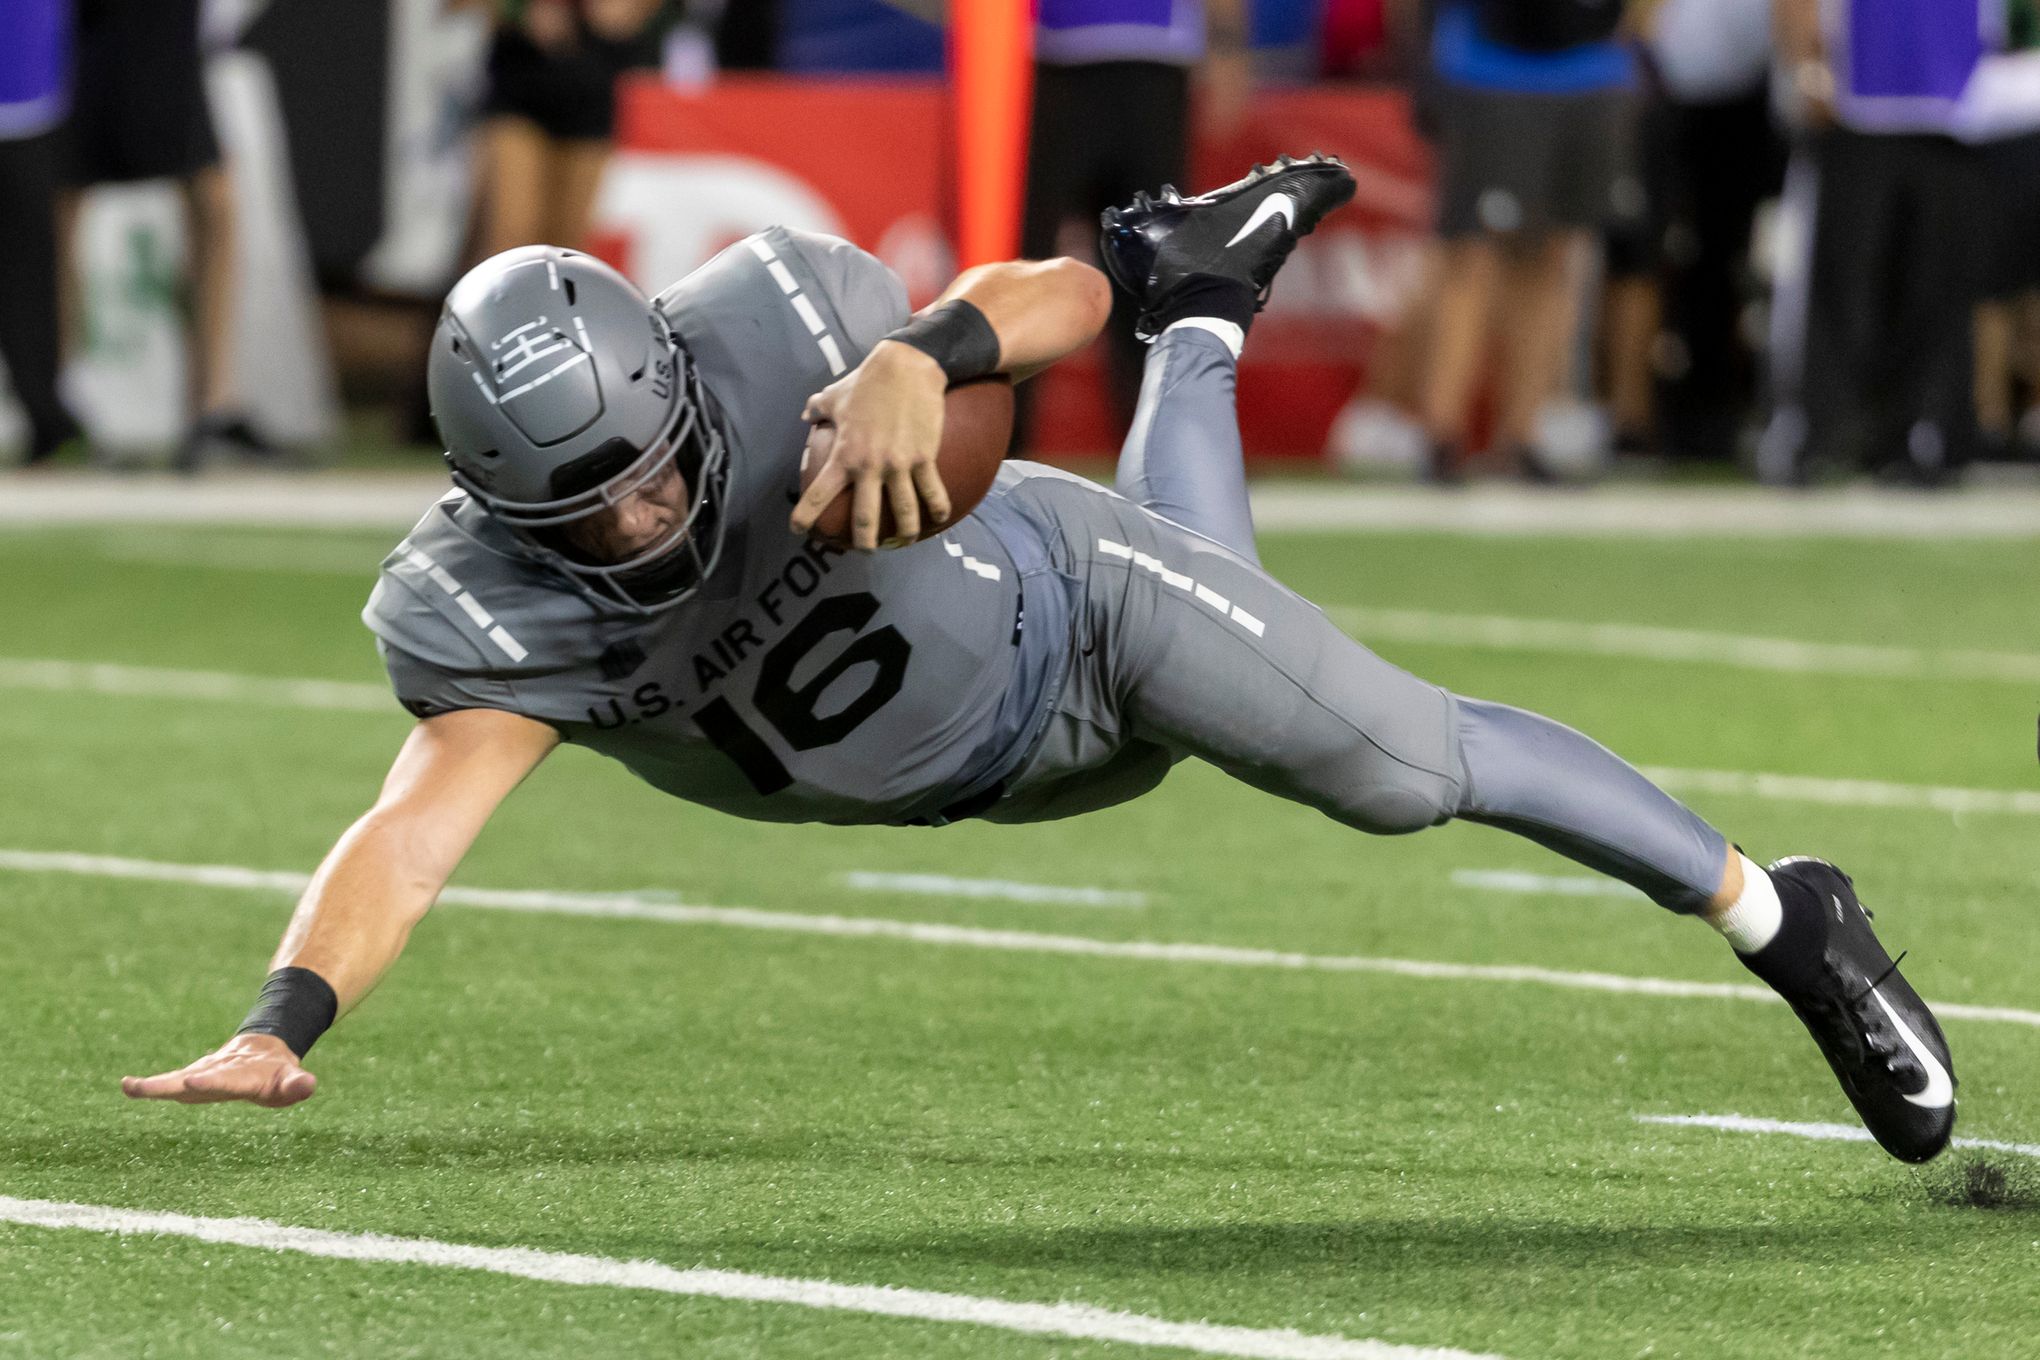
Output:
x,y
158,682
1554,885
942,885
302,555
1689,646
625,907
368,501
1827,1133
1793,788
356,697
393,500
1655,512
1369,623
1076,1321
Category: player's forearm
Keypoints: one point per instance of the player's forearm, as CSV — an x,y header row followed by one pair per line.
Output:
x,y
376,883
1041,310
384,873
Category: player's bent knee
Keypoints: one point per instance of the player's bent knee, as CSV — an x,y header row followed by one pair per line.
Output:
x,y
1386,797
1400,808
1360,782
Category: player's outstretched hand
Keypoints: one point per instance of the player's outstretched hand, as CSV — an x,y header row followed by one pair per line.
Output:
x,y
887,417
258,1068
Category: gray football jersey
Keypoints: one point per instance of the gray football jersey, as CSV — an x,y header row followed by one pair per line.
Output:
x,y
801,683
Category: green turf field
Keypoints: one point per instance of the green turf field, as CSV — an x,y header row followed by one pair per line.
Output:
x,y
1447,1161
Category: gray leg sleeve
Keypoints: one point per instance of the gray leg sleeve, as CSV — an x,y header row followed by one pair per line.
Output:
x,y
1189,649
1182,456
1541,779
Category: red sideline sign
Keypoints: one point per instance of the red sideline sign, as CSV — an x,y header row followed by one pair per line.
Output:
x,y
869,160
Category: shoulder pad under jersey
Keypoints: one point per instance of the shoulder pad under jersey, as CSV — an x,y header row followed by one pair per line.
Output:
x,y
457,595
785,296
770,321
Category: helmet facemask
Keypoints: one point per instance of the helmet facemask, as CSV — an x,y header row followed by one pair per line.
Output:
x,y
659,575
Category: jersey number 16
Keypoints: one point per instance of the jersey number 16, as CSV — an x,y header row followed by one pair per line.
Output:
x,y
792,711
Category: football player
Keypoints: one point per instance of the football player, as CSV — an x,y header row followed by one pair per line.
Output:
x,y
625,564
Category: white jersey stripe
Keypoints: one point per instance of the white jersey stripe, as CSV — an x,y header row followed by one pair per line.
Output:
x,y
969,563
809,317
832,353
434,570
474,610
1176,579
469,605
511,647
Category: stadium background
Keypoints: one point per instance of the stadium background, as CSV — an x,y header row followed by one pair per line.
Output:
x,y
1193,1076
354,152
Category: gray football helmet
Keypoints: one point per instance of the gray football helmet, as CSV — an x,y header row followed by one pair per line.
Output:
x,y
559,390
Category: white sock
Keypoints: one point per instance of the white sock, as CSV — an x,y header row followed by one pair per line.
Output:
x,y
1227,331
1753,921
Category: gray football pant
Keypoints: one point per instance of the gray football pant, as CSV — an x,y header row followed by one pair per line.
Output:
x,y
1185,647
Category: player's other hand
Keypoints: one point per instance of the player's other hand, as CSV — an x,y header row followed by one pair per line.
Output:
x,y
887,418
258,1068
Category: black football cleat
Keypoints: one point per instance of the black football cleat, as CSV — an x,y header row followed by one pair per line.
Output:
x,y
1242,232
1876,1033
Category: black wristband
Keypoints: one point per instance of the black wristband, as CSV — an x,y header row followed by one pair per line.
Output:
x,y
956,336
297,1006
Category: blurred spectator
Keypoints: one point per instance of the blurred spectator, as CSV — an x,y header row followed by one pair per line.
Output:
x,y
1379,433
141,114
1376,434
1111,117
1534,118
34,95
1726,158
2007,348
746,31
1711,51
550,112
1873,346
2010,295
1354,38
1633,266
865,37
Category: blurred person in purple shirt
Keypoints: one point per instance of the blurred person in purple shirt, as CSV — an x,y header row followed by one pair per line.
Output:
x,y
1112,84
858,37
35,60
1872,342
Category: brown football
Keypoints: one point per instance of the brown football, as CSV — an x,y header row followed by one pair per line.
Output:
x,y
977,426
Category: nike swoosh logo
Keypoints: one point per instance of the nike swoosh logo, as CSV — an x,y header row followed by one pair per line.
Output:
x,y
1270,206
1940,1092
